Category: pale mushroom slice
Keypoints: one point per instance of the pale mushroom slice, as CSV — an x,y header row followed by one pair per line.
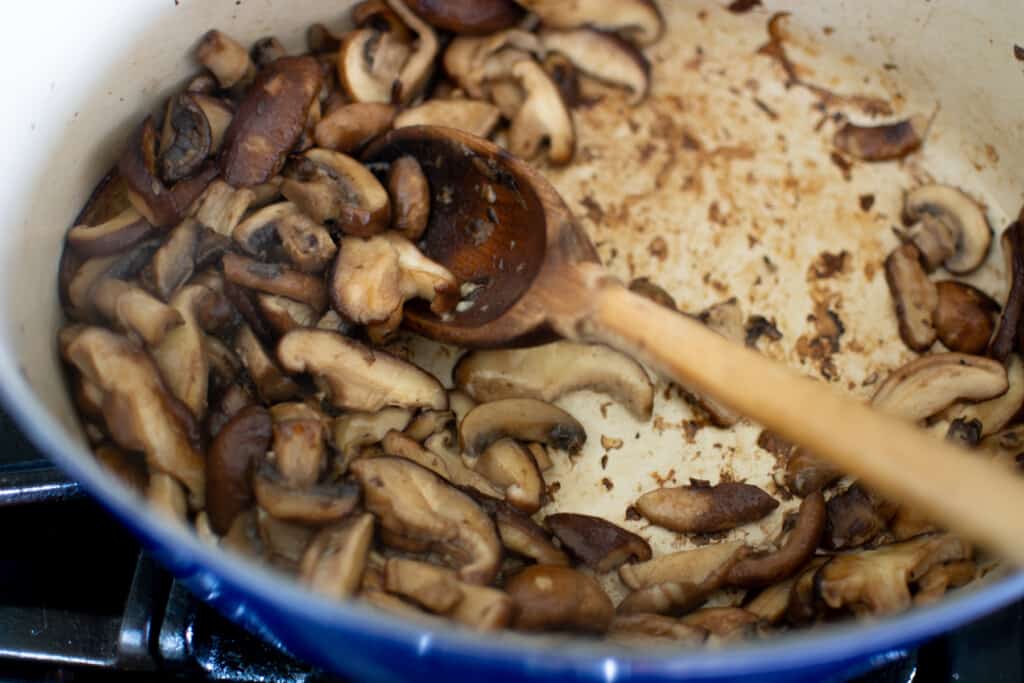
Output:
x,y
473,116
686,566
701,508
78,287
314,505
876,581
961,215
137,408
134,309
523,419
412,502
639,21
271,383
603,56
442,463
333,563
549,372
675,597
418,69
1005,447
439,590
548,597
226,58
460,403
474,60
114,235
931,383
357,377
995,413
521,535
350,127
331,186
181,354
353,431
428,423
509,466
219,115
914,296
284,543
596,542
934,241
723,624
221,207
299,444
542,119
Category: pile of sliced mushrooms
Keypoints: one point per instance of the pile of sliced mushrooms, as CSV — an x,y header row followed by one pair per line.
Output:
x,y
230,285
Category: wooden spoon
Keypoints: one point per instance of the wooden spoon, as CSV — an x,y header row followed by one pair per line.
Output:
x,y
498,223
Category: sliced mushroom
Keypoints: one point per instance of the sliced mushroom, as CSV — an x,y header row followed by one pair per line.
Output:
x,y
222,206
181,354
550,597
551,371
226,59
357,377
914,295
307,244
300,449
961,215
910,523
137,408
726,623
78,291
258,232
770,604
805,473
446,465
353,431
266,51
186,140
335,187
934,241
474,61
542,118
523,419
232,401
284,314
167,497
174,262
285,543
604,56
146,192
134,309
460,403
675,597
881,143
412,502
129,468
565,76
521,535
439,590
468,16
876,581
686,566
700,508
313,505
1007,335
757,571
229,463
271,384
509,466
418,69
855,517
428,423
333,563
931,383
596,542
350,127
644,629
270,120
114,235
218,115
473,116
940,578
273,278
369,64
649,290
805,603
639,21
964,316
996,413
964,433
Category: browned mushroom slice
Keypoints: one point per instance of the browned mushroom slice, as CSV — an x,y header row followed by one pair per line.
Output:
x,y
269,121
931,383
428,423
225,58
523,419
940,578
771,604
644,629
307,243
136,406
300,449
700,508
348,128
369,64
418,69
542,119
914,295
961,215
565,76
129,468
910,523
964,317
218,115
232,401
285,315
146,192
271,384
475,61
468,16
132,308
357,377
222,206
259,231
174,262
596,542
285,543
876,581
121,232
521,535
934,241
473,116
1006,336
353,431
881,143
315,505
165,495
805,603
675,597
603,56
559,598
181,356
686,566
806,474
509,466
78,286
636,20
410,198
273,278
237,446
995,413
551,371
413,503
435,588
855,517
756,571
726,623
333,563
186,139
331,186
446,465
267,50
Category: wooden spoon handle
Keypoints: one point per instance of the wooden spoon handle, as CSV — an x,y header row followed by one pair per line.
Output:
x,y
967,492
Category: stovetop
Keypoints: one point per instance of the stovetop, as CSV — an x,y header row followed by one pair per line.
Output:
x,y
80,602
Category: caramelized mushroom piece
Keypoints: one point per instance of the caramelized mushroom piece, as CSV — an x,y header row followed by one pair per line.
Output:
x,y
468,16
1006,336
881,143
351,432
940,578
929,384
446,465
686,566
700,508
914,295
229,463
333,563
146,192
603,56
271,384
267,50
350,127
285,315
996,413
174,262
226,59
313,505
473,116
369,64
331,186
439,590
564,75
186,140
134,309
963,317
549,372
414,503
806,474
523,419
181,354
477,62
521,535
114,235
961,216
772,603
675,597
418,69
221,207
727,623
855,517
300,448
285,543
357,377
934,241
509,466
549,597
756,571
596,542
270,120
428,423
273,278
542,118
639,21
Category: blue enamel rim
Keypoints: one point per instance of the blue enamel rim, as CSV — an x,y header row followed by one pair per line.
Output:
x,y
232,583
